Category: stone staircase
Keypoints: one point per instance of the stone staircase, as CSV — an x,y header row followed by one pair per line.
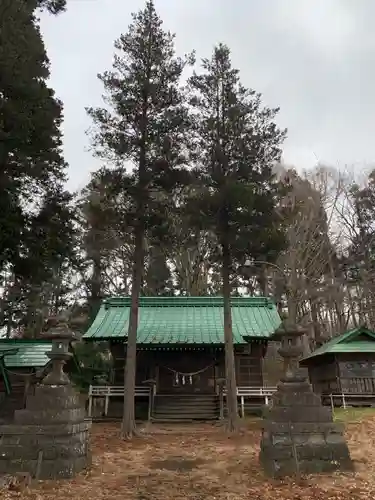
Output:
x,y
185,407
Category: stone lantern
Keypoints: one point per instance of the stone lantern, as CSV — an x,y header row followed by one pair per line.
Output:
x,y
61,337
299,435
291,351
50,438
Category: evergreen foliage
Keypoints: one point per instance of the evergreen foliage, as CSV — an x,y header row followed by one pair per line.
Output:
x,y
236,146
145,126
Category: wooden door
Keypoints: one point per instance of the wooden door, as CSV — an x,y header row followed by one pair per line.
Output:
x,y
248,371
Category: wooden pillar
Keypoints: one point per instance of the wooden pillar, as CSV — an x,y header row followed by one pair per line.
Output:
x,y
106,405
242,407
156,378
90,402
221,398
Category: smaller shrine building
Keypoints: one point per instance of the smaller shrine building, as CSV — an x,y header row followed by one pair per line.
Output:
x,y
344,368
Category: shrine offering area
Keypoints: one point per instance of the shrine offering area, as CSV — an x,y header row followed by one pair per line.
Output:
x,y
200,462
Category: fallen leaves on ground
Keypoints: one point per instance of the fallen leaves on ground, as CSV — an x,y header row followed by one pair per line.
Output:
x,y
199,462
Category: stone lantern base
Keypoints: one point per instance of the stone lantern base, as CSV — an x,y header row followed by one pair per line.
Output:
x,y
299,435
49,439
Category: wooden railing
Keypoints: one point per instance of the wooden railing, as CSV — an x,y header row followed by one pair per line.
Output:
x,y
344,398
108,391
244,393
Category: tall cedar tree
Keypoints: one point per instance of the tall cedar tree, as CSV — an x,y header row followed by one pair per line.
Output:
x,y
105,208
41,270
146,127
98,216
30,117
236,145
158,279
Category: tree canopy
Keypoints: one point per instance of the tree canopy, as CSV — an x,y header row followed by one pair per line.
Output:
x,y
145,126
32,168
190,191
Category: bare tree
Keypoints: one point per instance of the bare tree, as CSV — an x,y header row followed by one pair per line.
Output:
x,y
309,260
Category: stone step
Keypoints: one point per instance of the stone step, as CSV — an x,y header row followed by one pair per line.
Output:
x,y
186,401
180,411
184,418
179,404
185,407
187,396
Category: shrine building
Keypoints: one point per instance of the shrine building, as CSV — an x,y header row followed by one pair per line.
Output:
x,y
180,371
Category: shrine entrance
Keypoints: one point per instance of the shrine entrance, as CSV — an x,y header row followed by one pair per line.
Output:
x,y
187,373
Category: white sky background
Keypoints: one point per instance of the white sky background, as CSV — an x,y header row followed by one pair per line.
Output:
x,y
315,59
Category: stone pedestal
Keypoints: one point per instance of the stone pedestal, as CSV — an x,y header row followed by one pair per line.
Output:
x,y
299,435
49,439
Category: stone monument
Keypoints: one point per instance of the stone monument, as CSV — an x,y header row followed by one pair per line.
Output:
x,y
49,439
299,435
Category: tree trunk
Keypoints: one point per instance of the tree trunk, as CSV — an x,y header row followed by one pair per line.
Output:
x,y
318,340
128,420
95,298
230,372
293,286
352,308
33,319
263,281
337,304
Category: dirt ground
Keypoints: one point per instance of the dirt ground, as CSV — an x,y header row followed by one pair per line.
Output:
x,y
199,462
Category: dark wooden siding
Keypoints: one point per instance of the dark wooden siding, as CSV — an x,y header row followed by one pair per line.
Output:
x,y
357,372
324,376
349,373
249,366
145,365
206,365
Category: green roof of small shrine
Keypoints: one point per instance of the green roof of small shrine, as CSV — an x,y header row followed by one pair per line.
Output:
x,y
357,340
186,320
21,353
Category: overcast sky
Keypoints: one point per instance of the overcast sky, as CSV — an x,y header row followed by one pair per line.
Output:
x,y
315,59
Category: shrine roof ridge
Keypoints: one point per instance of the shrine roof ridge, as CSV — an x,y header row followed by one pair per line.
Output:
x,y
359,340
191,301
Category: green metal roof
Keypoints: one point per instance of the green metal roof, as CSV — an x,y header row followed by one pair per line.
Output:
x,y
186,320
347,342
20,353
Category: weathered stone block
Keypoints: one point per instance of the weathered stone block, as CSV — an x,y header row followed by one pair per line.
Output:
x,y
278,452
50,469
316,439
34,402
283,439
50,416
313,452
287,398
299,436
53,431
334,438
49,438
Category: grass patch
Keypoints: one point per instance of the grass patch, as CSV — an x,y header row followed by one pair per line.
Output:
x,y
353,414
